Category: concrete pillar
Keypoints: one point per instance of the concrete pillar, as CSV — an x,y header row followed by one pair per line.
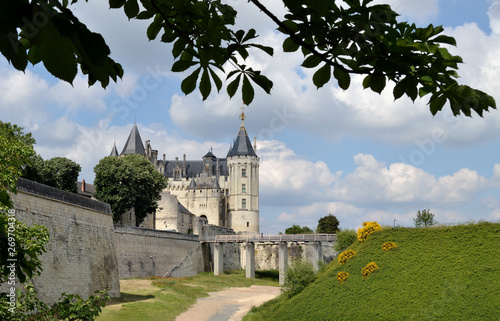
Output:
x,y
250,263
218,259
283,261
317,255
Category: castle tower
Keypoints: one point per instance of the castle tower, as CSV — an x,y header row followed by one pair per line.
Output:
x,y
243,198
134,143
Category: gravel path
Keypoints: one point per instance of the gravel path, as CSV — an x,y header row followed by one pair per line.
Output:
x,y
229,305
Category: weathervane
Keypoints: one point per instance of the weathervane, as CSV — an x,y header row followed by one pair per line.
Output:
x,y
242,116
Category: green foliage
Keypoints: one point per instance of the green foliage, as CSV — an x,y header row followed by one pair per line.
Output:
x,y
439,273
128,182
340,38
344,239
328,224
58,172
16,149
48,32
424,219
297,277
296,229
69,307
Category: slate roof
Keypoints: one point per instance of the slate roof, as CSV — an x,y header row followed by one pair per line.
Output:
x,y
196,167
114,151
242,145
134,143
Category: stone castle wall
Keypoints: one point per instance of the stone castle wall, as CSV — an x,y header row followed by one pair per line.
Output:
x,y
80,255
145,253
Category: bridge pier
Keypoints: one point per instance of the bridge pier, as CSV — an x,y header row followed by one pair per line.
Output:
x,y
250,262
218,259
283,261
317,255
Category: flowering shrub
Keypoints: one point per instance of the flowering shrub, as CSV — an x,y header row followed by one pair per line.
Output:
x,y
387,246
342,276
368,229
369,269
346,256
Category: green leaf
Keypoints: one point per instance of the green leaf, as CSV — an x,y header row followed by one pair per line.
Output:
x,y
250,35
311,61
182,65
233,86
445,39
263,82
189,83
247,91
115,4
436,103
289,45
57,52
179,47
205,85
216,79
322,76
266,49
131,8
155,27
377,83
342,77
398,90
144,15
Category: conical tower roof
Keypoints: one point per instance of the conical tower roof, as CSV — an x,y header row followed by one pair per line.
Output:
x,y
242,145
134,143
114,151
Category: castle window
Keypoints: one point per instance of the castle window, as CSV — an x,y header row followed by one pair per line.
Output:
x,y
244,203
243,188
243,172
248,224
225,178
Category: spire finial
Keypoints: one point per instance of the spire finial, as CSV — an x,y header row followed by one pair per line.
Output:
x,y
242,116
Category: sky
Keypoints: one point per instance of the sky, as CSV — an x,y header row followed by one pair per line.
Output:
x,y
355,154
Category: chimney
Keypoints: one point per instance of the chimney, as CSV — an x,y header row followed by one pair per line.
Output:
x,y
83,185
184,165
255,144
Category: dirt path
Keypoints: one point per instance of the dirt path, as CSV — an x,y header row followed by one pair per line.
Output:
x,y
229,305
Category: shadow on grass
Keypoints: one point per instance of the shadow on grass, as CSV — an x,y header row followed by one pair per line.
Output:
x,y
127,297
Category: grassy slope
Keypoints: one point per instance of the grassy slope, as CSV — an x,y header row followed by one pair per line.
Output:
x,y
438,273
166,298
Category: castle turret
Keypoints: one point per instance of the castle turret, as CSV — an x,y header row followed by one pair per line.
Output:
x,y
114,151
134,143
243,197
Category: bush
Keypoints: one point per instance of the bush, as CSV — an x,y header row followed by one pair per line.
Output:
x,y
387,246
346,256
298,276
344,239
369,269
342,276
368,229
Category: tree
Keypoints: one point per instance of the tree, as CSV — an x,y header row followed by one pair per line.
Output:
x,y
62,173
128,182
296,229
336,38
58,172
328,224
424,218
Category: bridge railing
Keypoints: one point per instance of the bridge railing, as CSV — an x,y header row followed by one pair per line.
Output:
x,y
270,238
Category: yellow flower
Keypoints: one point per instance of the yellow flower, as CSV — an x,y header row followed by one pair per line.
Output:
x,y
369,269
346,256
368,229
342,276
389,246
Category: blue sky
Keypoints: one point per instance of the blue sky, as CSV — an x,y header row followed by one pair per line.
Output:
x,y
355,154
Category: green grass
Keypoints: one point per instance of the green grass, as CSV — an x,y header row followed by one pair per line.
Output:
x,y
441,273
166,298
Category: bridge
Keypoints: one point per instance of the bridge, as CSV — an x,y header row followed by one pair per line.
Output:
x,y
282,240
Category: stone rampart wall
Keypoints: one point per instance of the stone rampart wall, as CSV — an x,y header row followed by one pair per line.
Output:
x,y
145,253
80,255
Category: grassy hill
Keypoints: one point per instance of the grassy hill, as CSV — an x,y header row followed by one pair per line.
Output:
x,y
440,273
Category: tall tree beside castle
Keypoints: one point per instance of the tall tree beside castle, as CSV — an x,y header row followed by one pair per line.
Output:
x,y
224,191
128,183
58,172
